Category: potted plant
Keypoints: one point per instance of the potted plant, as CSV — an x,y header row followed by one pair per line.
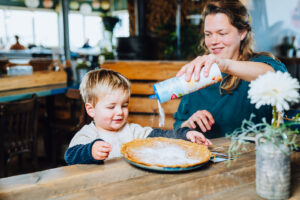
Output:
x,y
167,43
109,23
273,141
81,69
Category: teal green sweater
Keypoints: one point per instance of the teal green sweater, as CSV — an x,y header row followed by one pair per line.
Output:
x,y
228,110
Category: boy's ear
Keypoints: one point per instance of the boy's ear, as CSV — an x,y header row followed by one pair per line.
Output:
x,y
90,110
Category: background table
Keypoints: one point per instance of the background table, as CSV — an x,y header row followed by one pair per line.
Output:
x,y
117,179
43,91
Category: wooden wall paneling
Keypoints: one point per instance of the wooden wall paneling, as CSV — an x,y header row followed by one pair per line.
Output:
x,y
151,121
144,70
146,105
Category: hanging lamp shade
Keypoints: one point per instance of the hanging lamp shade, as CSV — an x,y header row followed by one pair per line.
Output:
x,y
32,3
47,3
85,9
96,4
109,22
74,5
105,5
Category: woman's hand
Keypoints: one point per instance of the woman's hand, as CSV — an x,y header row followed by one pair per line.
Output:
x,y
198,138
200,62
100,150
203,118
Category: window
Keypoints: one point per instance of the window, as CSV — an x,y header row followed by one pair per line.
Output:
x,y
40,27
76,30
93,29
83,27
2,30
30,26
46,34
19,22
90,27
122,28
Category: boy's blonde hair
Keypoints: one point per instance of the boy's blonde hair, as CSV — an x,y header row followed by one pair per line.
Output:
x,y
102,81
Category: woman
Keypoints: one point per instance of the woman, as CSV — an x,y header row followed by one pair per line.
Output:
x,y
221,108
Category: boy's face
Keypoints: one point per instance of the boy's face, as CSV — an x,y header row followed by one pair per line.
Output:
x,y
111,111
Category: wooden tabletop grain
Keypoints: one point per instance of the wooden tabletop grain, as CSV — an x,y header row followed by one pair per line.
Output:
x,y
116,179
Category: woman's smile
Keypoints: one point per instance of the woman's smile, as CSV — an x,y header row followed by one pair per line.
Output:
x,y
217,50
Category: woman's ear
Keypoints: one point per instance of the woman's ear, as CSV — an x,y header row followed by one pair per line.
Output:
x,y
243,34
90,110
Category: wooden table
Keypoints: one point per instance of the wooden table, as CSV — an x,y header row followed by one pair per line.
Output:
x,y
117,179
42,91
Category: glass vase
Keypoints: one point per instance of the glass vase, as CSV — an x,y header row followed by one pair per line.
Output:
x,y
273,171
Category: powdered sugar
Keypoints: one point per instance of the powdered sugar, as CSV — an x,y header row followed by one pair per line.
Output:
x,y
161,115
164,154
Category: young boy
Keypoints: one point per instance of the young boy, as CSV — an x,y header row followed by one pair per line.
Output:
x,y
106,95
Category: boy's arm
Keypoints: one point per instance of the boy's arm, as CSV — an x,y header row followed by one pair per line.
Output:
x,y
81,154
179,133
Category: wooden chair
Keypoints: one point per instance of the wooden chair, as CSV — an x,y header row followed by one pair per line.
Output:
x,y
18,135
41,64
64,129
3,63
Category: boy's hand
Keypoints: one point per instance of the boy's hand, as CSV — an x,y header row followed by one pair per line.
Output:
x,y
100,150
198,137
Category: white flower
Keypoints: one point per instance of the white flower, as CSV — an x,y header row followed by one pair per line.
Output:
x,y
274,88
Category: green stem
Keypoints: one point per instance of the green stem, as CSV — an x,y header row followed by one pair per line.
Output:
x,y
274,116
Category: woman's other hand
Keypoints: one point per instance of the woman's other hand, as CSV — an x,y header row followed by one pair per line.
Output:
x,y
100,150
200,62
203,118
198,138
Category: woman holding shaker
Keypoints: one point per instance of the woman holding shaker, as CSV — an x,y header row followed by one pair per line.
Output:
x,y
221,108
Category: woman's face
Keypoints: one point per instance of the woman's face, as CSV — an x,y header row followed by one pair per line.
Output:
x,y
221,37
